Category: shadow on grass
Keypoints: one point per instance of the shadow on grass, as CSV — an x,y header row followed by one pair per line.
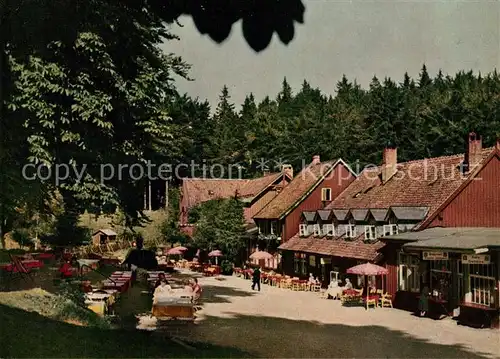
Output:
x,y
272,337
26,334
222,294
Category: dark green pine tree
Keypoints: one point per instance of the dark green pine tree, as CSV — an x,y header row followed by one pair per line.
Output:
x,y
226,147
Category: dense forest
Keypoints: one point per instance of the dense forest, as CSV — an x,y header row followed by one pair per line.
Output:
x,y
423,117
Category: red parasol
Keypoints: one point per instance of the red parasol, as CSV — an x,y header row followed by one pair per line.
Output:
x,y
180,248
368,269
259,255
215,254
174,251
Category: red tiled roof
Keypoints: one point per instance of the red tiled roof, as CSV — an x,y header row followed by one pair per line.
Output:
x,y
427,182
336,247
199,190
247,213
254,186
295,190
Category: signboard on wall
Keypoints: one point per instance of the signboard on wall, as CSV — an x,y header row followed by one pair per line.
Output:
x,y
326,261
475,259
312,261
435,256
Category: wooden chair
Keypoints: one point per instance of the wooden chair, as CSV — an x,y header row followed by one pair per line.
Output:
x,y
370,301
19,269
323,294
385,300
315,288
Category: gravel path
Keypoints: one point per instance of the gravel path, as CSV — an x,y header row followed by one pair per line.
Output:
x,y
281,323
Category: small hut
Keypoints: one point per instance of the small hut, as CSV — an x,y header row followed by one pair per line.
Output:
x,y
103,236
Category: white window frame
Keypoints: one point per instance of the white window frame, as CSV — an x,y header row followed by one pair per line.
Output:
x,y
317,230
329,230
408,264
390,229
324,191
479,287
303,232
350,231
370,233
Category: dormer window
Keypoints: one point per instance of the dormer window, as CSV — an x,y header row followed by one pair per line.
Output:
x,y
303,230
317,230
390,229
350,231
370,233
326,194
329,230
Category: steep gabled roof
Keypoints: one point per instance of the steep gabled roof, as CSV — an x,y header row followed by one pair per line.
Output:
x,y
492,153
108,232
424,183
255,186
298,189
199,190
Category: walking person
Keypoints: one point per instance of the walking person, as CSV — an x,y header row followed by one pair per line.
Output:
x,y
423,302
256,279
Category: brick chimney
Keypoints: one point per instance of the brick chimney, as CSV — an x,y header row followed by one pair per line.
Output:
x,y
389,163
473,151
288,170
316,160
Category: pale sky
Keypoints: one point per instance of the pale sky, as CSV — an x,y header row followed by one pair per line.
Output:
x,y
357,38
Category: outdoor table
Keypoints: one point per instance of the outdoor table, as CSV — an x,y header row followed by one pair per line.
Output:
x,y
469,315
28,264
437,307
178,304
98,307
97,296
121,286
45,256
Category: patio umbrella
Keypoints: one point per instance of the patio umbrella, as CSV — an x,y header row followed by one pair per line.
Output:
x,y
174,251
259,255
180,248
215,254
367,269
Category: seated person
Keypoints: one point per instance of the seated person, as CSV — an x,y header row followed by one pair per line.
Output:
x,y
67,270
372,288
187,286
348,284
161,277
311,278
163,289
196,289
